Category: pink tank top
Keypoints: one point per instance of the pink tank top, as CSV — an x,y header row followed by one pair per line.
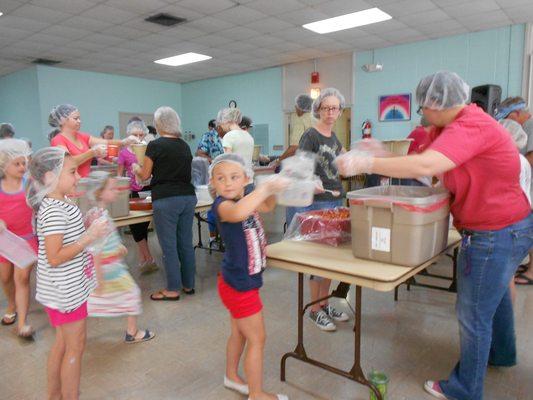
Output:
x,y
16,213
59,140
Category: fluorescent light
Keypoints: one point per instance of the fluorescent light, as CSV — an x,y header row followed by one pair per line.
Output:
x,y
182,59
1,13
347,21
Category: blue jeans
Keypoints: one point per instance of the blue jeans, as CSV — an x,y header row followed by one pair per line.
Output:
x,y
486,265
290,212
173,219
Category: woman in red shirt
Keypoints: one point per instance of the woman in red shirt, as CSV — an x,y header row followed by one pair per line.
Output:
x,y
81,146
480,167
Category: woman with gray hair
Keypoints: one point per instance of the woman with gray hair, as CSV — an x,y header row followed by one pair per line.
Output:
x,y
480,166
322,141
234,139
168,161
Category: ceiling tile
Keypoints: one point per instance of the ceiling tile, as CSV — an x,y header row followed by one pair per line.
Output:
x,y
40,14
124,32
181,12
240,15
211,40
90,24
406,7
10,5
50,39
66,32
108,14
239,33
265,40
339,7
270,24
275,7
209,24
520,14
207,6
66,6
304,16
471,8
183,32
424,17
138,6
22,23
403,35
103,39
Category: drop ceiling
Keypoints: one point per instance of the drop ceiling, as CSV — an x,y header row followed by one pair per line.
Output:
x,y
111,36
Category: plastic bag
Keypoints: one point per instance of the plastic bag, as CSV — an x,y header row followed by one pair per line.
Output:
x,y
300,169
200,171
16,250
301,166
93,215
328,226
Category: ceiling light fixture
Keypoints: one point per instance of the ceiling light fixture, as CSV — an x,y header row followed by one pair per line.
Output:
x,y
348,21
1,13
182,59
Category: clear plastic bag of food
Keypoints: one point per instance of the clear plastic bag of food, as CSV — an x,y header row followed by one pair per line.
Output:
x,y
329,226
93,215
301,166
16,250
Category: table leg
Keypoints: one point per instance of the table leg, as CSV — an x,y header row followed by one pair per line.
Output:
x,y
356,373
199,226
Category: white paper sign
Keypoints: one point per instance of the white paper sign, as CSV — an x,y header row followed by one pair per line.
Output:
x,y
381,239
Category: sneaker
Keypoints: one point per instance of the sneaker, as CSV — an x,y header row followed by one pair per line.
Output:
x,y
238,387
433,388
321,319
334,314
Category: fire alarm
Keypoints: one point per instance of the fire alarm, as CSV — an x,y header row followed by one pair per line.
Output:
x,y
315,77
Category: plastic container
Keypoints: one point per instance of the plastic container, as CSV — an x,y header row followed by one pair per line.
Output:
x,y
144,194
16,250
405,225
202,193
331,226
112,151
398,147
298,194
139,149
79,195
300,166
381,381
121,206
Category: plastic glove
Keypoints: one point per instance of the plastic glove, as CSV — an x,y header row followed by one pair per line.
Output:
x,y
98,229
2,226
100,150
274,163
372,147
354,162
136,168
275,184
319,186
130,140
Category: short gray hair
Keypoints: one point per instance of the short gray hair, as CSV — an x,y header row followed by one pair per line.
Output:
x,y
227,115
304,102
328,92
136,126
167,120
6,130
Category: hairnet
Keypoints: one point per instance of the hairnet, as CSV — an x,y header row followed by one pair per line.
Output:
x,y
136,126
442,90
6,130
59,114
517,132
11,149
328,92
45,167
227,115
246,122
304,102
231,158
503,111
167,121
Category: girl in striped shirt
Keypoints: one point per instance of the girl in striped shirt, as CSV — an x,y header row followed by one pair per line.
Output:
x,y
64,278
117,294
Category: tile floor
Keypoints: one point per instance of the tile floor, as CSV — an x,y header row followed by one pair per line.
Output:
x,y
411,340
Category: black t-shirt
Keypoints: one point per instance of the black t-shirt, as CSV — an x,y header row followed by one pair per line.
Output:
x,y
171,174
326,149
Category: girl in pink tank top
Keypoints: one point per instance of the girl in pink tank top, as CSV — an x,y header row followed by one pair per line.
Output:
x,y
16,216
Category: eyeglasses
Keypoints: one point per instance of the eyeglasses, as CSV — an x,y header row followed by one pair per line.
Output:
x,y
330,109
419,111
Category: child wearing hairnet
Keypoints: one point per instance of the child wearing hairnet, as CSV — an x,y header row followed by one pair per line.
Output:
x,y
16,216
117,294
241,228
64,275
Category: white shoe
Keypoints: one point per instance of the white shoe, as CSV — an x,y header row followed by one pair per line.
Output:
x,y
238,387
279,396
429,386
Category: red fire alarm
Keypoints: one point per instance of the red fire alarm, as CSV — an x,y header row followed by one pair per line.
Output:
x,y
315,77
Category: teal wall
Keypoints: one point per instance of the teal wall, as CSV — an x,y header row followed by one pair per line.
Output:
x,y
19,104
492,56
26,98
258,95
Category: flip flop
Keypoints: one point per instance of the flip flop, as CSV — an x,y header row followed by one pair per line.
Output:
x,y
133,339
522,276
9,319
163,297
189,292
521,269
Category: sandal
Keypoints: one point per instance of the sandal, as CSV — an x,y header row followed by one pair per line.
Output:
x,y
189,291
9,319
521,269
134,339
26,333
163,297
525,278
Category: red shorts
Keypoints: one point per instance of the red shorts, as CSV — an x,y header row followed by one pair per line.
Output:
x,y
58,318
34,244
239,304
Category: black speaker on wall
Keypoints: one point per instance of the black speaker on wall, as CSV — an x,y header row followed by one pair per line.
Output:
x,y
488,97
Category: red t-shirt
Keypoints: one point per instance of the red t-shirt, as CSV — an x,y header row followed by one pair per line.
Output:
x,y
485,185
59,140
421,140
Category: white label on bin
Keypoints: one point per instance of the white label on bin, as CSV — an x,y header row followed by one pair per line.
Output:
x,y
381,239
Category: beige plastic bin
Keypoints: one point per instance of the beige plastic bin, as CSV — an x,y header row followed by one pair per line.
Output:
x,y
120,208
405,225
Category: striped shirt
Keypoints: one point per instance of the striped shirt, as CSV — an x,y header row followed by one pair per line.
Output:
x,y
67,286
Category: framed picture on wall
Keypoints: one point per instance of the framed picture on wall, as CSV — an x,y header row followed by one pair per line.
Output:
x,y
394,107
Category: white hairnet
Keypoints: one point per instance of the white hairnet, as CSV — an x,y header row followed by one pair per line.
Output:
x,y
231,158
45,167
328,92
6,130
227,115
59,114
136,126
517,132
167,121
304,102
442,90
11,149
